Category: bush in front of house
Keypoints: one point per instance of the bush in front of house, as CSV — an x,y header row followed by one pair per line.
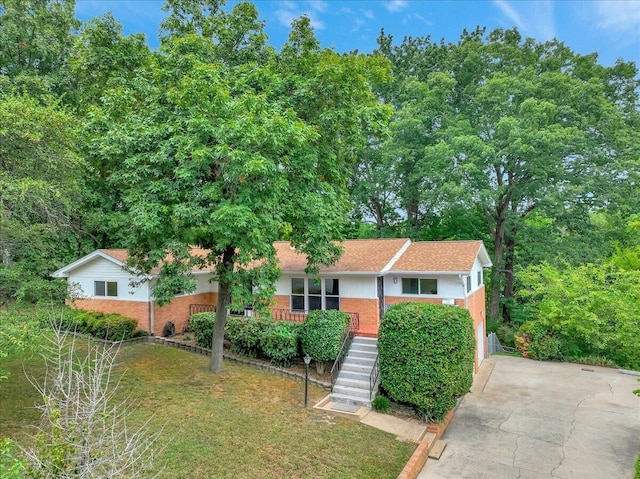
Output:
x,y
111,326
426,356
280,342
245,334
201,325
322,334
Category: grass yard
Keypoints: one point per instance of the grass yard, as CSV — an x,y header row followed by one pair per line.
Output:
x,y
241,424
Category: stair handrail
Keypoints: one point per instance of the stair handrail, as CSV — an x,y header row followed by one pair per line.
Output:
x,y
373,377
350,332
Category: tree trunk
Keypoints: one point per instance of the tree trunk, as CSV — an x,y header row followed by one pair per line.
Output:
x,y
224,287
498,260
509,263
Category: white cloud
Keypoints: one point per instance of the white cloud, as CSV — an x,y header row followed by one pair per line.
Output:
x,y
290,12
621,18
533,18
358,23
318,5
369,14
397,5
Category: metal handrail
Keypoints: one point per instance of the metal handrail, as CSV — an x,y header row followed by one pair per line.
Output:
x,y
373,377
350,332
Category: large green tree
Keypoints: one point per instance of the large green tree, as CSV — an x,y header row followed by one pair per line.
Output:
x,y
41,184
504,128
215,156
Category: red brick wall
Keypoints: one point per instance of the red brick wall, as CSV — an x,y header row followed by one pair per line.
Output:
x,y
138,310
476,304
178,310
368,312
281,301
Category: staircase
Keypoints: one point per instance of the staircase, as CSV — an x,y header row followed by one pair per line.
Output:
x,y
352,385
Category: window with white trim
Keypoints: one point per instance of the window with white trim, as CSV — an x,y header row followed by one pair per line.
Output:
x,y
105,288
308,294
419,286
479,278
468,283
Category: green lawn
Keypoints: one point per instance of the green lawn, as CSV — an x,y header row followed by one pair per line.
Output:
x,y
241,424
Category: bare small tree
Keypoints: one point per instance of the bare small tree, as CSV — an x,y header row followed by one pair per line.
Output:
x,y
84,431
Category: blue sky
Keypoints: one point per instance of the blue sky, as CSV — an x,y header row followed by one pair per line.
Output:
x,y
609,27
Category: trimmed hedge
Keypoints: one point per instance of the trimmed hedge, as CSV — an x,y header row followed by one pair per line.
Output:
x,y
254,337
426,356
322,334
112,326
245,334
201,325
280,342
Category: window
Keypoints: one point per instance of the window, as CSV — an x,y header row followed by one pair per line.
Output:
x,y
106,288
310,294
479,278
297,294
419,286
468,283
332,294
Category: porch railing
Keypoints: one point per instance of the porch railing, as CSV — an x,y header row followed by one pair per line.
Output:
x,y
350,332
201,308
299,316
373,377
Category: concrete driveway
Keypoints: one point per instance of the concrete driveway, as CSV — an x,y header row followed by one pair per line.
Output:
x,y
531,420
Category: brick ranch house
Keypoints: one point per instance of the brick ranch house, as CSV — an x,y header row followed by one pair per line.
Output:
x,y
369,277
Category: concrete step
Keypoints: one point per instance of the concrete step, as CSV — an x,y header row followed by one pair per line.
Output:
x,y
352,392
360,376
352,383
344,398
357,368
360,353
356,360
365,341
364,347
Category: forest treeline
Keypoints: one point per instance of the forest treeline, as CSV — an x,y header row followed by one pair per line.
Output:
x,y
219,140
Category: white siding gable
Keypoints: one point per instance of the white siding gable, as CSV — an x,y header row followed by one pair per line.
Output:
x,y
101,269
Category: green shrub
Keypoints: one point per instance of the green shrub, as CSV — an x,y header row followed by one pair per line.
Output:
x,y
201,325
11,467
426,356
112,326
279,342
245,334
380,404
536,341
322,334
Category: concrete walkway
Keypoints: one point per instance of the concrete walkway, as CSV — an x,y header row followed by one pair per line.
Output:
x,y
536,420
405,429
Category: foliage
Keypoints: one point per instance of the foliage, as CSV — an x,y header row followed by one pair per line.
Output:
x,y
11,466
280,342
191,173
201,325
322,334
589,310
246,334
252,336
19,329
426,356
381,404
84,430
111,326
